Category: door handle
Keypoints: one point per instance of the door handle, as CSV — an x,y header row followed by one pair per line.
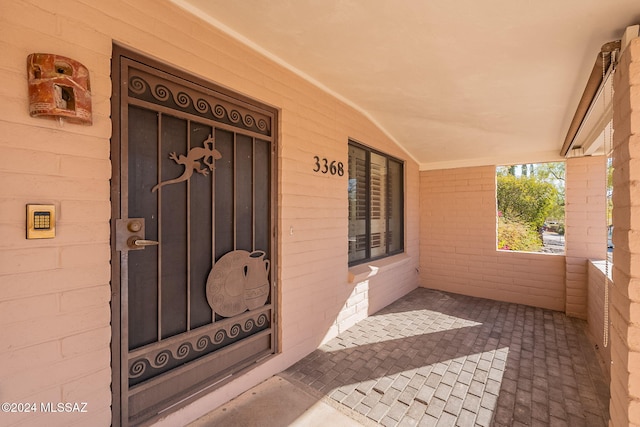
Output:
x,y
143,242
136,242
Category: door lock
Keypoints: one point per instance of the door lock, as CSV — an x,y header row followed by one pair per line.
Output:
x,y
130,235
134,225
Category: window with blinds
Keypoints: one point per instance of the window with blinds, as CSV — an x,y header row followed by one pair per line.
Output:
x,y
376,201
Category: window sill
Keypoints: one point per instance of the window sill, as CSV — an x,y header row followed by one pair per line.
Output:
x,y
364,271
600,265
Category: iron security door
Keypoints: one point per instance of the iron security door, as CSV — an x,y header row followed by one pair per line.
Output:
x,y
193,226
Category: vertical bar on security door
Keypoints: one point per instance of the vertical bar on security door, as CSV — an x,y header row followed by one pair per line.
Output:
x,y
188,233
253,194
213,206
159,213
235,192
213,216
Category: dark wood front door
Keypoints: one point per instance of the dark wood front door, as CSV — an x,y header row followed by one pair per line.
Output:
x,y
192,236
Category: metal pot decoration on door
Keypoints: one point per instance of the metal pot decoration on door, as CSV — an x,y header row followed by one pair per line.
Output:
x,y
237,282
58,87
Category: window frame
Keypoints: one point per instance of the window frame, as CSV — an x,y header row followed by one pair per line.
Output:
x,y
388,203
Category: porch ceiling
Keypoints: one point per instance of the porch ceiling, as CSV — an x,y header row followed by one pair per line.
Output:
x,y
456,83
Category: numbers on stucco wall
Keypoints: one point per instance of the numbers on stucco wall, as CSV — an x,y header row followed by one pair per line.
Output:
x,y
323,165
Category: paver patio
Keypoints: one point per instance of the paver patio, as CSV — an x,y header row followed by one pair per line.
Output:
x,y
438,359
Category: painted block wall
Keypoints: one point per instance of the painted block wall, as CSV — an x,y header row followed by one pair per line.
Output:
x,y
458,244
625,292
55,294
585,226
596,311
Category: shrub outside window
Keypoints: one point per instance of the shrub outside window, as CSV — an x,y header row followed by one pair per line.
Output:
x,y
376,204
530,201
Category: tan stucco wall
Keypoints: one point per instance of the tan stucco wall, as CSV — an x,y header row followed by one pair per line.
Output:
x,y
54,294
458,244
625,292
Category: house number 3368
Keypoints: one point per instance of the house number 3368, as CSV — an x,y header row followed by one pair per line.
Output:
x,y
323,165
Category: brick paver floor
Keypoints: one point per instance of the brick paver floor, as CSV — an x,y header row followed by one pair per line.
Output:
x,y
438,359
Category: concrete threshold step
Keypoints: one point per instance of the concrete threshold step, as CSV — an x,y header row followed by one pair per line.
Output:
x,y
279,402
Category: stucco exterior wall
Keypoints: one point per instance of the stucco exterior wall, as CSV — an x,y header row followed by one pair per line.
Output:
x,y
625,292
458,244
54,294
585,226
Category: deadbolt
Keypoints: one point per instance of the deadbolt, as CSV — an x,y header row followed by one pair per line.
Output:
x,y
134,226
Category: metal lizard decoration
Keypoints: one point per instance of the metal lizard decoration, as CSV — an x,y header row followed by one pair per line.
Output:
x,y
192,162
